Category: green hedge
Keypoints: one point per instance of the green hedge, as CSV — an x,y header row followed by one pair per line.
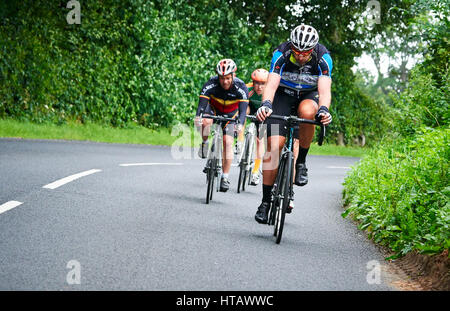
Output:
x,y
128,61
143,62
400,194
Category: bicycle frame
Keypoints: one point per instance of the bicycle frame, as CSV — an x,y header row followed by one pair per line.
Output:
x,y
282,190
216,152
246,161
214,159
287,154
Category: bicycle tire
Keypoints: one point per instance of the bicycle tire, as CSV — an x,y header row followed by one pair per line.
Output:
x,y
248,156
218,157
277,196
285,191
210,177
245,180
213,176
241,172
250,160
242,167
208,188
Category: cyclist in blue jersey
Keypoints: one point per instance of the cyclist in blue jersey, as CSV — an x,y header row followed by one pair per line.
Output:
x,y
300,78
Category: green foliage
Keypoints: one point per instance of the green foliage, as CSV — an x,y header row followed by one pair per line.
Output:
x,y
400,194
128,61
423,103
144,62
356,113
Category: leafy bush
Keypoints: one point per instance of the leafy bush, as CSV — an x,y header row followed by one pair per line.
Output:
x,y
424,103
144,62
128,61
400,193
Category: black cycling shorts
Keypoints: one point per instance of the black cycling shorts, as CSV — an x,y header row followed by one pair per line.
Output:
x,y
285,104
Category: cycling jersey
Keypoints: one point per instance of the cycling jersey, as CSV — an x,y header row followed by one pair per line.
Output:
x,y
224,101
254,98
298,77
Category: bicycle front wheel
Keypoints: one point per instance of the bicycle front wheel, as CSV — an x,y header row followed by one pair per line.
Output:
x,y
241,177
285,190
275,210
210,178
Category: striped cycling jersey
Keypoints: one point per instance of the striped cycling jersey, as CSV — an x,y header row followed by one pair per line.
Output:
x,y
303,78
224,101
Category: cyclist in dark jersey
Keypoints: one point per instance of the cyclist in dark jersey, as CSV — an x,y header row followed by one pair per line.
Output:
x,y
300,77
222,94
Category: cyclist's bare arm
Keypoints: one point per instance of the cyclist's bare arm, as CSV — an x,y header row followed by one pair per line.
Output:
x,y
324,89
269,93
272,85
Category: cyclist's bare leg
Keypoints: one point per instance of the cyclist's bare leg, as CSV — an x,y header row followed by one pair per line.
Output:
x,y
206,128
241,133
306,110
295,150
227,156
259,148
271,158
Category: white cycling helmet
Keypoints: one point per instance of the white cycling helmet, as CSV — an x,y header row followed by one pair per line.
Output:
x,y
304,37
226,66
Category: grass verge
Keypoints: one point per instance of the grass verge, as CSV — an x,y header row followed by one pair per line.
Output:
x,y
134,134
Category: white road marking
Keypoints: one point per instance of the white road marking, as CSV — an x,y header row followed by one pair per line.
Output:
x,y
68,179
343,167
146,164
9,205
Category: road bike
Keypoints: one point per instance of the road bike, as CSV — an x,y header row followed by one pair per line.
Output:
x,y
282,191
248,155
213,167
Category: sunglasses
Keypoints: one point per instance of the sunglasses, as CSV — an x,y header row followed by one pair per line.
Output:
x,y
303,53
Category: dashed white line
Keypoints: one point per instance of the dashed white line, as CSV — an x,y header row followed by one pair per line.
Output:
x,y
145,164
9,205
70,178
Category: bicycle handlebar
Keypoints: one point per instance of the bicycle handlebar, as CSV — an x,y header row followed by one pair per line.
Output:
x,y
219,118
292,120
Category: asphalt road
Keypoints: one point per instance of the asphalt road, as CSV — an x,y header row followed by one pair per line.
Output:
x,y
147,227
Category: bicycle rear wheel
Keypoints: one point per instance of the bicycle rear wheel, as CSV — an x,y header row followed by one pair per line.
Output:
x,y
285,187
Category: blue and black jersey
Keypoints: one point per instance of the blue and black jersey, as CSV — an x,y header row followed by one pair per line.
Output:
x,y
301,78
